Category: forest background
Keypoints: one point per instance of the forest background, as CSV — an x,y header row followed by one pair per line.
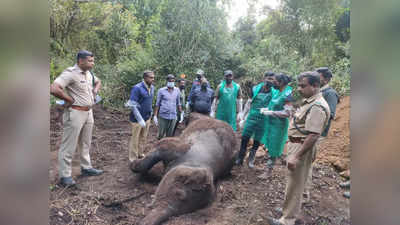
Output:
x,y
181,36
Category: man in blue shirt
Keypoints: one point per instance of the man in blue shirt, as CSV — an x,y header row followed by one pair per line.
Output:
x,y
196,83
140,103
202,98
329,94
165,112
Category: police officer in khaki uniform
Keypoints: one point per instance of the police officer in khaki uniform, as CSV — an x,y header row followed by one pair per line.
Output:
x,y
305,128
77,82
332,98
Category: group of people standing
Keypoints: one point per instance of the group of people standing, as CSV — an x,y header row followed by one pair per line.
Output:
x,y
268,117
266,122
171,104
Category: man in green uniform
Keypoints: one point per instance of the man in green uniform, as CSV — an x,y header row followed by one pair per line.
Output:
x,y
228,100
304,130
255,124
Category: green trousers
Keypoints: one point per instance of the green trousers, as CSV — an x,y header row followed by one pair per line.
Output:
x,y
165,127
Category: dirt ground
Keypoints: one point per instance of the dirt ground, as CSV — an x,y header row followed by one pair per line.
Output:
x,y
122,197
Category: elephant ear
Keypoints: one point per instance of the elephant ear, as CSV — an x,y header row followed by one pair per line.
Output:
x,y
199,180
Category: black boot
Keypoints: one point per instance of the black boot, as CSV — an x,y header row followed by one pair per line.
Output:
x,y
252,155
242,152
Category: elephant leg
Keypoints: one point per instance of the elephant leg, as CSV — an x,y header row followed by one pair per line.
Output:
x,y
168,150
145,164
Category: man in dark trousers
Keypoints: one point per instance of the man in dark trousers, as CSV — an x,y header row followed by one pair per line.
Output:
x,y
167,104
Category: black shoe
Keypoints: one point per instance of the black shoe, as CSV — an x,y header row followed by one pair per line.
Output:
x,y
91,172
272,221
67,181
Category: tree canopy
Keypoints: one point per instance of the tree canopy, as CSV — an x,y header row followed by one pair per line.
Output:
x,y
179,36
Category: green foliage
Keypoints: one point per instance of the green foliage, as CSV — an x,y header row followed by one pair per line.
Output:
x,y
341,79
342,26
191,35
57,65
179,36
300,35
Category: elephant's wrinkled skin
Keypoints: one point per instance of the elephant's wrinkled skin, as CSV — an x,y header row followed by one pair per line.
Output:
x,y
201,154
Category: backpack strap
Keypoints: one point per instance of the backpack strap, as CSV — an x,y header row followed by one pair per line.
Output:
x,y
308,111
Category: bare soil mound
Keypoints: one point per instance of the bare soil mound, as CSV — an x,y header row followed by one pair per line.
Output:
x,y
335,149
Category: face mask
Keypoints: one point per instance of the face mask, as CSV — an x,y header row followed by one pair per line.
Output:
x,y
182,87
198,77
228,81
170,84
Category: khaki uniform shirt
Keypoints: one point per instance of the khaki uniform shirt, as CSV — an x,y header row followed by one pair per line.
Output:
x,y
78,85
313,121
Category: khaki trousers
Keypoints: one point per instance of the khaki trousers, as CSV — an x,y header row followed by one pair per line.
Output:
x,y
138,140
77,133
309,178
296,181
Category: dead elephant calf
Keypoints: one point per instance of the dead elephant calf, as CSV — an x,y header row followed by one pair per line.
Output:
x,y
203,153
